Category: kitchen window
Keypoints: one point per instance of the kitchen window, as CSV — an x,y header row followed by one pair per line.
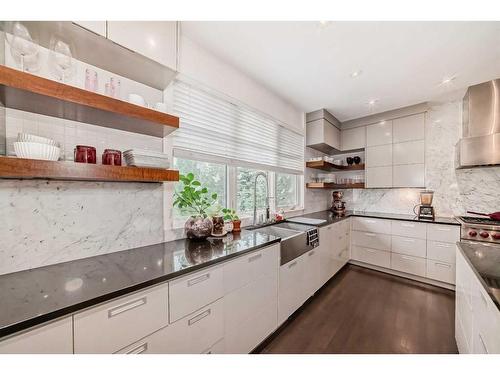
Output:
x,y
287,191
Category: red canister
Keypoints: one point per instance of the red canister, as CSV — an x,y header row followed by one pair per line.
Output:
x,y
85,154
112,157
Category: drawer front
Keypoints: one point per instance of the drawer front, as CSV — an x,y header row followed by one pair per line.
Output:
x,y
199,331
345,226
192,292
247,268
241,304
156,343
409,229
114,325
371,256
53,338
372,240
379,156
443,233
442,271
409,246
367,224
443,251
247,334
408,264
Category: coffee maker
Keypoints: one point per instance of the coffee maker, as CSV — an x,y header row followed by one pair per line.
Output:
x,y
338,206
425,209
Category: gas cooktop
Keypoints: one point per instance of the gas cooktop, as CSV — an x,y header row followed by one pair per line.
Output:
x,y
480,229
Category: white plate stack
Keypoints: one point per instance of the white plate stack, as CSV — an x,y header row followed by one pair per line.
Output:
x,y
145,158
29,146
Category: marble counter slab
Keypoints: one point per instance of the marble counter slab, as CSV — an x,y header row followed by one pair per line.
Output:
x,y
41,294
484,258
330,218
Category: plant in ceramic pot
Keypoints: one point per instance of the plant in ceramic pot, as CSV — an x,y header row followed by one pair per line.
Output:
x,y
230,215
219,228
195,200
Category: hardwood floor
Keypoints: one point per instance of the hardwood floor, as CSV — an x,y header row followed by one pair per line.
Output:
x,y
366,311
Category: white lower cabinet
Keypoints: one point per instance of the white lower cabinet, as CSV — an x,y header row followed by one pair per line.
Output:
x,y
291,287
441,271
52,338
379,258
116,324
312,279
409,264
409,246
199,331
192,292
372,240
477,318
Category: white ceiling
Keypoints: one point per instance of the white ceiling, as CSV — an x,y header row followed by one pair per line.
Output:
x,y
310,64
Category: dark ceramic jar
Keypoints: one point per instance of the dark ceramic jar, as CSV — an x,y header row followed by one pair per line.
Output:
x,y
357,160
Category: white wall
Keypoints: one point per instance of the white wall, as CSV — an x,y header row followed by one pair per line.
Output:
x,y
198,64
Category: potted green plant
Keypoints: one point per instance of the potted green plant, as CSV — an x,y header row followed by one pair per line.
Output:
x,y
230,215
195,200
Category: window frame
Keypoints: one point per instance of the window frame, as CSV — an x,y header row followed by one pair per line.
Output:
x,y
232,188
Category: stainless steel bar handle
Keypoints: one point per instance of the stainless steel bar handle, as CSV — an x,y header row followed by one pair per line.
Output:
x,y
444,265
198,279
139,349
311,253
292,264
126,307
408,258
408,239
255,257
199,317
408,225
442,245
370,234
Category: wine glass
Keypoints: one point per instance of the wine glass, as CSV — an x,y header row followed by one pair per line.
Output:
x,y
61,60
22,47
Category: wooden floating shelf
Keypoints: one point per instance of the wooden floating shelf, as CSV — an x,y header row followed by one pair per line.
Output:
x,y
330,185
330,167
27,92
12,167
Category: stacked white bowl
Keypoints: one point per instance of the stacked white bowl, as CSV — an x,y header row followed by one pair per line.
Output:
x,y
29,146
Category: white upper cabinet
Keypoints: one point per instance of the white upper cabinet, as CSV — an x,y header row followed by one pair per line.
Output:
x,y
379,134
410,128
379,177
408,153
411,175
351,139
379,156
322,136
97,27
154,39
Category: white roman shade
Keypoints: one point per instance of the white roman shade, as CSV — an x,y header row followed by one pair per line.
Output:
x,y
213,126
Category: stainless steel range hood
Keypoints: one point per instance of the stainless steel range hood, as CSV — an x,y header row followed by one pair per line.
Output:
x,y
480,143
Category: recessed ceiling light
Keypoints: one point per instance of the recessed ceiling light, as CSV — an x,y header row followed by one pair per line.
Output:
x,y
356,73
448,80
372,102
324,23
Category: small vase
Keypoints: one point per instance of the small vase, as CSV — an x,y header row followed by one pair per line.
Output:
x,y
236,226
228,225
198,227
357,160
349,160
218,226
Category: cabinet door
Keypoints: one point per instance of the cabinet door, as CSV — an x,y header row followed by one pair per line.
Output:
x,y
408,153
326,253
351,139
379,177
312,273
372,240
332,135
379,156
412,175
379,134
408,264
154,39
291,287
409,128
97,27
53,338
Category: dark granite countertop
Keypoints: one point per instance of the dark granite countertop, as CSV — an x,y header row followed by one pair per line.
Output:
x,y
331,218
484,258
41,294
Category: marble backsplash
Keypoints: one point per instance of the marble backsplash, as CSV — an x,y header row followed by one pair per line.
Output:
x,y
455,191
51,222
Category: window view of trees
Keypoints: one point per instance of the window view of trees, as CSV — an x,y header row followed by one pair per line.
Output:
x,y
211,175
245,183
286,190
214,177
